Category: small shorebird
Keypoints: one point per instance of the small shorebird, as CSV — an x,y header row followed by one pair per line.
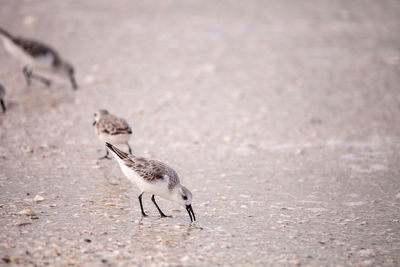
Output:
x,y
37,56
2,94
110,128
154,177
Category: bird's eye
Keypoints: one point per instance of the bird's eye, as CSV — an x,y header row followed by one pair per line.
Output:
x,y
184,197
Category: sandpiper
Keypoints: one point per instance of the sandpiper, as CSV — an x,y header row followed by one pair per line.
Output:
x,y
37,56
2,94
155,177
110,128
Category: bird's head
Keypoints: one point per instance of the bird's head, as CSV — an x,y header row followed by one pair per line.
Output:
x,y
68,70
183,196
98,114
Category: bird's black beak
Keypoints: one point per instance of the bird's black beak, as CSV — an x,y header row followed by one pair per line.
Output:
x,y
191,213
94,123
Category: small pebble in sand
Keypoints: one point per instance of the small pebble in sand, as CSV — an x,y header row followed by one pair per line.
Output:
x,y
38,198
27,212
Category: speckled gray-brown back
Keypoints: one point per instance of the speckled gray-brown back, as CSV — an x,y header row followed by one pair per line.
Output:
x,y
150,170
113,125
37,49
153,170
33,47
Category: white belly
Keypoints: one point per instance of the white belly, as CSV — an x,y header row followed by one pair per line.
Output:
x,y
116,139
43,62
158,188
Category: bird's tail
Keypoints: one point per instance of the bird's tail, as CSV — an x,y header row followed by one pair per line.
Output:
x,y
5,33
114,150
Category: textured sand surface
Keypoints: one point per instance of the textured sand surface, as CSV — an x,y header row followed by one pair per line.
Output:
x,y
282,117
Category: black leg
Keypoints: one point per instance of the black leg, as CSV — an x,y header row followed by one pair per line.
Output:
x,y
129,147
106,156
44,80
73,81
141,205
3,105
27,74
159,210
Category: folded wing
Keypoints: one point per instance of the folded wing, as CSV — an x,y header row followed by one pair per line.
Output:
x,y
113,125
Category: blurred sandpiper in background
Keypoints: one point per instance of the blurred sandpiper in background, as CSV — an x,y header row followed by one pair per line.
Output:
x,y
282,117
